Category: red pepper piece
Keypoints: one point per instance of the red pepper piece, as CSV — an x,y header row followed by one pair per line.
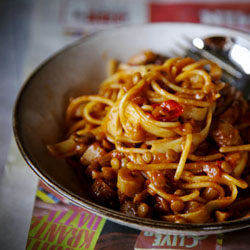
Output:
x,y
167,111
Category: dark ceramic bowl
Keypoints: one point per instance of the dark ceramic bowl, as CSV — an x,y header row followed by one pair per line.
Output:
x,y
78,69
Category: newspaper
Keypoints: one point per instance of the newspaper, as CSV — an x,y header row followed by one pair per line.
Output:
x,y
58,224
62,225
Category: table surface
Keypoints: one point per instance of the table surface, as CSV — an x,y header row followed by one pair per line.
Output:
x,y
14,26
14,29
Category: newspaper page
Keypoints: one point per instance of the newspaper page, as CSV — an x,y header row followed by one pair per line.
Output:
x,y
58,224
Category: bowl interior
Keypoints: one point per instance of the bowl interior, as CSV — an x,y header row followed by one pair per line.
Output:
x,y
79,69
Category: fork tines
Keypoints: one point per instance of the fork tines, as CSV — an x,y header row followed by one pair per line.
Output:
x,y
187,48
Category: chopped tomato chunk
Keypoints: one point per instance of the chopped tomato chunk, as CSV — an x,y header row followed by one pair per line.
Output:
x,y
167,111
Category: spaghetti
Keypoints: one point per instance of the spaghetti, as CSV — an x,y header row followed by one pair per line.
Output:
x,y
164,139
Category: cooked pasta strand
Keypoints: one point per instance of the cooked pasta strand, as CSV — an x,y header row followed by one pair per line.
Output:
x,y
183,158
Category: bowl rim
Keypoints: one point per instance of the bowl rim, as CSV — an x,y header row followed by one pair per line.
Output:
x,y
115,216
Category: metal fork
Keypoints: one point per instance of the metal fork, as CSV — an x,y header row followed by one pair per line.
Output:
x,y
231,54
